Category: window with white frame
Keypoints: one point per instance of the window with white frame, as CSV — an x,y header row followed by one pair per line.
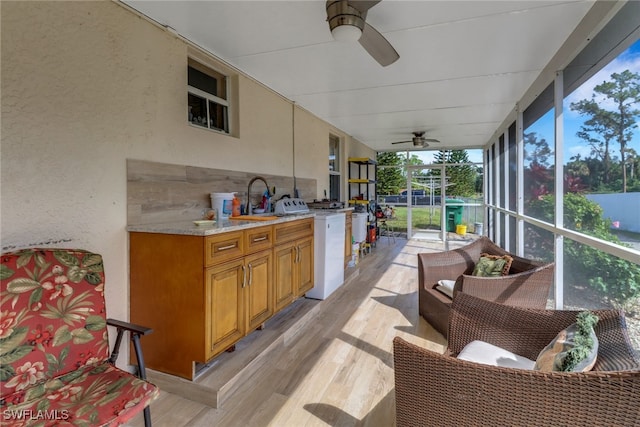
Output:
x,y
208,102
334,167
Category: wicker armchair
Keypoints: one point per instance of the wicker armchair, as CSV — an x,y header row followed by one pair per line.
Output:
x,y
527,284
439,389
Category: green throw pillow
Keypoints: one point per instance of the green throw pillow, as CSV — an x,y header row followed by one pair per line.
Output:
x,y
574,349
492,265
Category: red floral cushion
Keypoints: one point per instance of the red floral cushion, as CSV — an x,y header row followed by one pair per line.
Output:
x,y
93,395
54,344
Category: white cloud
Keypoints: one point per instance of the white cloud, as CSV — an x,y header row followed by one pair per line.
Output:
x,y
583,150
585,91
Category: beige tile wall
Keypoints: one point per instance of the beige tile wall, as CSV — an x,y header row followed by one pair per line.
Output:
x,y
160,192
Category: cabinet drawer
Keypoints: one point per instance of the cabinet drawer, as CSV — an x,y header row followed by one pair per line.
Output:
x,y
293,230
257,239
223,247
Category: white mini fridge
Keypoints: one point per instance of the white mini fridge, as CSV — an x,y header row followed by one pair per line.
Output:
x,y
328,254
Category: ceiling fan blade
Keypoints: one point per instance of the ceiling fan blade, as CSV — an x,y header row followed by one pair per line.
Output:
x,y
377,46
400,142
430,140
363,5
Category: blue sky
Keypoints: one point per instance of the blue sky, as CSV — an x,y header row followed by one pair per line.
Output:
x,y
627,60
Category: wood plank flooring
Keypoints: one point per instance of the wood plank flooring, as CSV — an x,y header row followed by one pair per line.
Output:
x,y
339,370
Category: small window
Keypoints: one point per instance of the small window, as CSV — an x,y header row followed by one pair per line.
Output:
x,y
334,153
208,100
334,167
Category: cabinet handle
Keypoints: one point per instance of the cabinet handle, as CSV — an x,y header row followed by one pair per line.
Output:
x,y
244,275
250,274
297,254
224,248
259,239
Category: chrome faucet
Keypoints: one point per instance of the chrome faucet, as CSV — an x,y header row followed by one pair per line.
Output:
x,y
249,209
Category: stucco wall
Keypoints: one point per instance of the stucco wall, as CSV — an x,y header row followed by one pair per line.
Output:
x,y
87,85
622,208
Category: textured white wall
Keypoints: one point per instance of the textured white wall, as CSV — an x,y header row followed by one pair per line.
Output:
x,y
86,85
621,207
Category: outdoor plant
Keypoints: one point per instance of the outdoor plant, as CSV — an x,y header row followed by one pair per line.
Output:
x,y
615,278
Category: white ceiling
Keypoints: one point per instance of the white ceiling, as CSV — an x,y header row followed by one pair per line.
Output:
x,y
463,64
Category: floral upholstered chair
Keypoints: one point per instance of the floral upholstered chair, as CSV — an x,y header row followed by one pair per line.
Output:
x,y
55,367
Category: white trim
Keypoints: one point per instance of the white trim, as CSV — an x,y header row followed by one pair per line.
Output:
x,y
558,274
507,207
519,181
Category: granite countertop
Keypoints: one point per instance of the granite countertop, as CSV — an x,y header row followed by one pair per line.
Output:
x,y
189,228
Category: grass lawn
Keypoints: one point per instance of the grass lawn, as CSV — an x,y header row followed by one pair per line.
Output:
x,y
428,218
422,218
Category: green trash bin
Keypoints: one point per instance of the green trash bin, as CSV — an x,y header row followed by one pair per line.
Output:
x,y
454,213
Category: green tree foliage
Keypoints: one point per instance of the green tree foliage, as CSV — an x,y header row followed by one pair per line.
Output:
x,y
390,179
613,123
417,173
536,151
613,277
461,179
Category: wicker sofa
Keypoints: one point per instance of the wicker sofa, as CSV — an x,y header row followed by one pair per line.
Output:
x,y
527,284
439,389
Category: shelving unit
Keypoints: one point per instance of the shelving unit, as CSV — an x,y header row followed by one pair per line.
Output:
x,y
363,191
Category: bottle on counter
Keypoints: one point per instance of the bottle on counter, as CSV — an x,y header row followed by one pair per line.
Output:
x,y
235,206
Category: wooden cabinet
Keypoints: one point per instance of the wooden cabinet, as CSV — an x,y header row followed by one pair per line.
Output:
x,y
239,300
348,234
293,261
304,280
259,289
224,296
200,294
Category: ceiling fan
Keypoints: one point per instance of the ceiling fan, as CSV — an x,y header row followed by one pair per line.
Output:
x,y
418,140
347,23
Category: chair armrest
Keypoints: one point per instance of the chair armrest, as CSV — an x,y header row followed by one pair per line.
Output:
x,y
437,266
526,289
436,389
131,327
135,332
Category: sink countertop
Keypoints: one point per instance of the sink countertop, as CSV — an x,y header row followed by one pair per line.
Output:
x,y
187,227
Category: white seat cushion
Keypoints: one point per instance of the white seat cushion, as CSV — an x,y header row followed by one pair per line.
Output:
x,y
489,354
446,287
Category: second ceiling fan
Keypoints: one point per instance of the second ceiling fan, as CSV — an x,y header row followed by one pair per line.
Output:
x,y
418,140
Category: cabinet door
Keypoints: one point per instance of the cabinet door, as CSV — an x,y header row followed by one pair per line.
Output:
x,y
284,257
347,239
304,266
258,290
225,305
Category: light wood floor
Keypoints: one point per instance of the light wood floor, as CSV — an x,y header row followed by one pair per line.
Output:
x,y
339,372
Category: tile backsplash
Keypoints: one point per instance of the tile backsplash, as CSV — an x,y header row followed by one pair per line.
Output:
x,y
162,192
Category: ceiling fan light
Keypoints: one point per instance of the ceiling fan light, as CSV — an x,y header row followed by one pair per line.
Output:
x,y
346,33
